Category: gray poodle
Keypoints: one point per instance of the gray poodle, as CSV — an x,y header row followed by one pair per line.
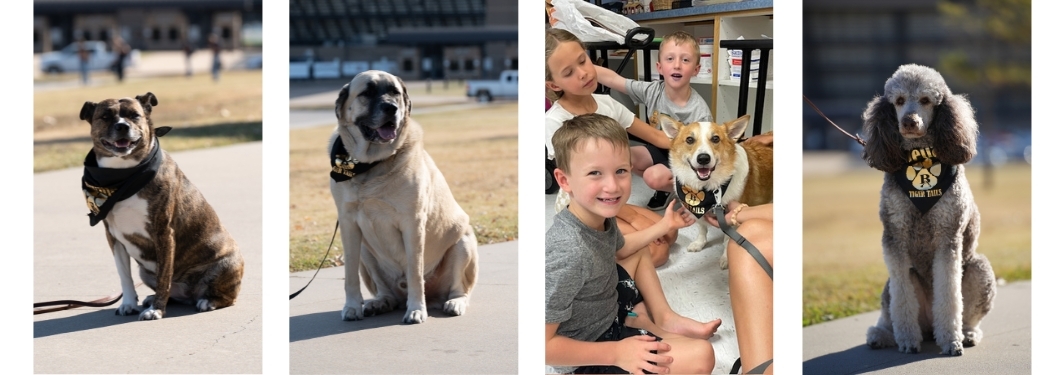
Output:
x,y
921,134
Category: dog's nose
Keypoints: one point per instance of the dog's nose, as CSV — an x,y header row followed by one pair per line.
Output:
x,y
121,127
909,122
703,159
388,108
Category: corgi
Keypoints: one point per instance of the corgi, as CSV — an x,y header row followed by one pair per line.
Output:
x,y
710,167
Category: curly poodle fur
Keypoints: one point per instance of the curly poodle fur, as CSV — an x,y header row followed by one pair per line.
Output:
x,y
937,284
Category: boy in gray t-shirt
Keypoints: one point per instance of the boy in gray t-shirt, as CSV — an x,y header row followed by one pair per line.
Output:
x,y
672,96
590,323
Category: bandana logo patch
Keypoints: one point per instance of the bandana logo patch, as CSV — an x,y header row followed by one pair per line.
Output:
x,y
342,164
95,196
925,178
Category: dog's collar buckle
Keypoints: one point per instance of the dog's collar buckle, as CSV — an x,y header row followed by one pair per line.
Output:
x,y
717,197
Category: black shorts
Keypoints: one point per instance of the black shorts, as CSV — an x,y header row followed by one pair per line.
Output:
x,y
658,155
628,296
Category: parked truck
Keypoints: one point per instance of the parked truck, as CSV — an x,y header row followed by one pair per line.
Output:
x,y
505,87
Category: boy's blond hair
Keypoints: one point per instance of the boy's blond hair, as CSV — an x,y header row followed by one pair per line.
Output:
x,y
679,38
577,131
553,38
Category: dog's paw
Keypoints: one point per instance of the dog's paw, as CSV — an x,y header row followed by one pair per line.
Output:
x,y
151,314
908,346
878,338
696,246
381,305
127,309
352,313
972,337
952,348
723,261
457,306
148,301
204,305
415,316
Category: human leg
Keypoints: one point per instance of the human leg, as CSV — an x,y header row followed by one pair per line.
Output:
x,y
633,218
640,158
751,293
642,270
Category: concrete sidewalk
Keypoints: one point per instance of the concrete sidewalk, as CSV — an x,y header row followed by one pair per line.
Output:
x,y
484,340
72,261
838,347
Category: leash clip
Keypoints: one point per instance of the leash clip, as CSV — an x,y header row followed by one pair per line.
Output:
x,y
717,197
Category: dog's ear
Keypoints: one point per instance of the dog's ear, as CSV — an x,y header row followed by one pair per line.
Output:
x,y
882,141
87,110
147,101
405,96
954,130
344,94
669,125
738,126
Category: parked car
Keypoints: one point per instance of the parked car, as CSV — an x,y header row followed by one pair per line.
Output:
x,y
505,87
67,59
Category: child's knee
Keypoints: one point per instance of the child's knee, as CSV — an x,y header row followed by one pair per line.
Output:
x,y
658,177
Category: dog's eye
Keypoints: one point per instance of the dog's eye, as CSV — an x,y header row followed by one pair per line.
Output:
x,y
715,139
924,101
690,140
899,101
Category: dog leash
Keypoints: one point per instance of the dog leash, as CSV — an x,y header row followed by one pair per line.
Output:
x,y
295,294
43,307
719,214
854,137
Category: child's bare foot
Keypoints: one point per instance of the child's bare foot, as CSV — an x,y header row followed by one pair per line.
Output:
x,y
689,328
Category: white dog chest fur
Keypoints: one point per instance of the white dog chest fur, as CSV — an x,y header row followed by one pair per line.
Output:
x,y
129,217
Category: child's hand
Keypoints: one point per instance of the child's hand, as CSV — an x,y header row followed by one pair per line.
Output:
x,y
634,353
728,213
679,219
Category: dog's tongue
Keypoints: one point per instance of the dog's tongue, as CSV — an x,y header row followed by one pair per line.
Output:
x,y
704,173
122,143
387,132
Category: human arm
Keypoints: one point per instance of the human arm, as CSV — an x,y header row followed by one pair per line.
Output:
x,y
631,354
671,220
649,134
611,79
761,212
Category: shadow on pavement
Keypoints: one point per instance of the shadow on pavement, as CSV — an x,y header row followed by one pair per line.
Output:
x,y
316,325
861,359
100,319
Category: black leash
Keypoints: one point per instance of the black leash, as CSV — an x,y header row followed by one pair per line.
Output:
x,y
295,294
854,137
719,213
69,304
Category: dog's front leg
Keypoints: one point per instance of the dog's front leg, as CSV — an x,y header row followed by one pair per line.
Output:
x,y
413,237
128,290
948,303
351,250
904,305
701,240
165,249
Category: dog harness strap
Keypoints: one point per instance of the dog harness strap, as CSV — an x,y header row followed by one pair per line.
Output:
x,y
697,201
342,166
104,187
719,213
925,179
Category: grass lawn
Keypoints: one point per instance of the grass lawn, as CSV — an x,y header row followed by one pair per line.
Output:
x,y
201,112
476,150
843,270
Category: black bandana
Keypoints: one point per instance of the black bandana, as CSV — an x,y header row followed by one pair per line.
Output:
x,y
104,187
925,178
697,201
342,167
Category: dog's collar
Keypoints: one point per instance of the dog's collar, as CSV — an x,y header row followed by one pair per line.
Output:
x,y
698,201
342,166
104,187
925,179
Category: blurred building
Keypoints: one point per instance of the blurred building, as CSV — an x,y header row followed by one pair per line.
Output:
x,y
850,48
413,39
144,25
